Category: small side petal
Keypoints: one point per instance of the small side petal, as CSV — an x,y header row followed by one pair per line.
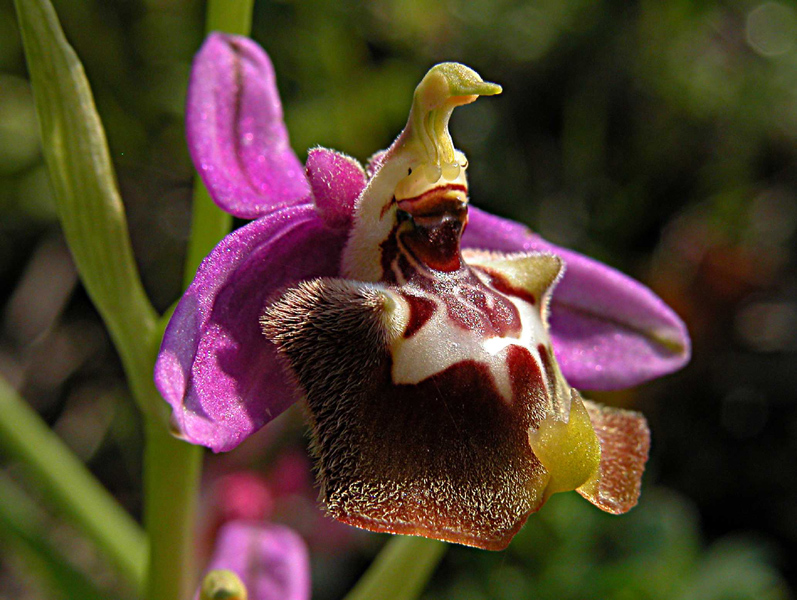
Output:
x,y
609,331
625,441
236,134
215,368
271,560
336,181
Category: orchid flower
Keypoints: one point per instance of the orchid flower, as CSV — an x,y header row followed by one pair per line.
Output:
x,y
435,344
257,562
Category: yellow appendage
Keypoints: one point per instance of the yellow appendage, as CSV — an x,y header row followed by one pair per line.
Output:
x,y
570,452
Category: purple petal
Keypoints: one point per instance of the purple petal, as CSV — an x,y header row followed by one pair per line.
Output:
x,y
336,181
609,331
271,560
215,367
235,131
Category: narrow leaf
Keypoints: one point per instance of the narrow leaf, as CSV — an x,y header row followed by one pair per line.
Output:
x,y
23,528
70,487
88,201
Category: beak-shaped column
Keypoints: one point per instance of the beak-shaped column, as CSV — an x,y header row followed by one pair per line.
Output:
x,y
423,154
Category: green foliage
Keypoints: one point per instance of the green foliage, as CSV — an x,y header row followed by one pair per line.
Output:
x,y
570,551
89,205
24,528
69,487
617,119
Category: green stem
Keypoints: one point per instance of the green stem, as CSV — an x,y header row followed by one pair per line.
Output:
x,y
207,223
401,570
172,467
230,16
70,487
171,478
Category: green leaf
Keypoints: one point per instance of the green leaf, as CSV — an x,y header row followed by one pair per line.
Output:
x,y
23,528
87,198
69,487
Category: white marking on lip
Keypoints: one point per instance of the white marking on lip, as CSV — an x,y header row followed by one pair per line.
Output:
x,y
441,343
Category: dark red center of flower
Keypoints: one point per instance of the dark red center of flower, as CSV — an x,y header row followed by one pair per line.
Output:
x,y
422,252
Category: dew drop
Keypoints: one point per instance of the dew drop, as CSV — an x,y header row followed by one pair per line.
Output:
x,y
451,171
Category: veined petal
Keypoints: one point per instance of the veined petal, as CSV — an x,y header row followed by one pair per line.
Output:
x,y
215,368
271,560
625,441
336,181
235,131
608,330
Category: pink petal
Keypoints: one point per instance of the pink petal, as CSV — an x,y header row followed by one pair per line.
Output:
x,y
271,560
609,331
336,181
235,131
215,368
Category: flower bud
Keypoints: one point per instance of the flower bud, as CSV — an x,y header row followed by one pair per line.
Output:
x,y
222,584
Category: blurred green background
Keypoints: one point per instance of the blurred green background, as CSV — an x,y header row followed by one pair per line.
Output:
x,y
659,137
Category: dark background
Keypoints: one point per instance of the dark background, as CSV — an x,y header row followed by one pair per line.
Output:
x,y
659,137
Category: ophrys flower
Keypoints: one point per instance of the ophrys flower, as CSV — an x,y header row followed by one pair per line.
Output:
x,y
431,374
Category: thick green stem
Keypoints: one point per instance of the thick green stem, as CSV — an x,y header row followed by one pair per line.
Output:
x,y
171,478
401,570
208,223
230,16
172,467
70,487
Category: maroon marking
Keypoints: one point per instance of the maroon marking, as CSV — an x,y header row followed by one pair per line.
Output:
x,y
436,451
466,301
434,241
387,206
501,284
426,251
389,252
527,382
421,310
547,364
405,267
